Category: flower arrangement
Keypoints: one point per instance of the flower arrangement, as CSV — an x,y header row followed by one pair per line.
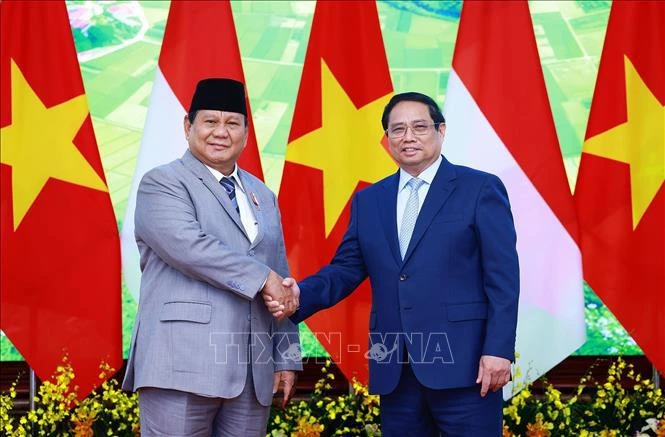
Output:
x,y
107,411
622,404
354,414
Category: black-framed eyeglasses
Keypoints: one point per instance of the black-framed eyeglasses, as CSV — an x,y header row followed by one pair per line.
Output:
x,y
418,129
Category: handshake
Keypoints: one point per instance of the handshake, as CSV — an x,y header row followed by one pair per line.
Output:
x,y
281,296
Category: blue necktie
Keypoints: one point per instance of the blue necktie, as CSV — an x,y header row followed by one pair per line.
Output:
x,y
410,215
230,189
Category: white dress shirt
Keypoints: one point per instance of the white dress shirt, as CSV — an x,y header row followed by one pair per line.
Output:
x,y
403,194
246,214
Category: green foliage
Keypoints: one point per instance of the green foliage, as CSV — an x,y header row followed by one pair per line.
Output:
x,y
605,335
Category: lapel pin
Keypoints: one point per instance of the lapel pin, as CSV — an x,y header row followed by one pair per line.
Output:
x,y
255,201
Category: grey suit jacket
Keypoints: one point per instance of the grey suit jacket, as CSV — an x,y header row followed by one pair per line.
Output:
x,y
200,315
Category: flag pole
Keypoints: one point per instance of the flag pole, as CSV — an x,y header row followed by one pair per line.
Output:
x,y
656,376
32,389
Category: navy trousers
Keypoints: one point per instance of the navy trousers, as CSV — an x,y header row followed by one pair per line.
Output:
x,y
415,410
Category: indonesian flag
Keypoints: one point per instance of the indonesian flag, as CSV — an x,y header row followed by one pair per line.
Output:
x,y
60,254
619,195
199,42
335,149
499,120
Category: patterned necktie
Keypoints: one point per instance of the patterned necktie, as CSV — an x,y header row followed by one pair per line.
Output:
x,y
230,189
410,215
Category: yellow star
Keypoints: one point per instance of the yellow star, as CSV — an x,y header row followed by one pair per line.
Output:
x,y
639,142
39,144
347,147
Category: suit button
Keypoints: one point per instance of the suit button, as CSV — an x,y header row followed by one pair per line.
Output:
x,y
251,252
402,277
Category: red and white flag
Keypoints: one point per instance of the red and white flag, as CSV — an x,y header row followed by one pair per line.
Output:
x,y
499,120
199,42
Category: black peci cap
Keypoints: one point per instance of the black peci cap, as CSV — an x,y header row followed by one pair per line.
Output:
x,y
219,94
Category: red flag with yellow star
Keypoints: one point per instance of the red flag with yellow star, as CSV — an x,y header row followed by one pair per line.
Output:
x,y
619,196
60,248
334,149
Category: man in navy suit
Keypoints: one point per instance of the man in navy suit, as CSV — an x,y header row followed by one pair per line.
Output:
x,y
437,241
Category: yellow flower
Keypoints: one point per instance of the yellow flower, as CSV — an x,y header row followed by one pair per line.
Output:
x,y
537,429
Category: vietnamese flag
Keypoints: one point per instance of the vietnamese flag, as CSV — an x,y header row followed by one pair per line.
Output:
x,y
619,196
60,250
199,42
499,120
335,149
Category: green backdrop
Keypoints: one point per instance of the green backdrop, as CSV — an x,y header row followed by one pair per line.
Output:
x,y
119,42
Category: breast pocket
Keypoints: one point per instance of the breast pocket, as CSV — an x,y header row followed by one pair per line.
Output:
x,y
270,225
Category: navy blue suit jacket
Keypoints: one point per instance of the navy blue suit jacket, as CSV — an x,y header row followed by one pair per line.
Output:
x,y
454,296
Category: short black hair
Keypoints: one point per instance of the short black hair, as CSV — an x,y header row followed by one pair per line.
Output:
x,y
434,110
192,115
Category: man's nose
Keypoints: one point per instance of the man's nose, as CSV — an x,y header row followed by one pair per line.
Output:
x,y
220,130
409,135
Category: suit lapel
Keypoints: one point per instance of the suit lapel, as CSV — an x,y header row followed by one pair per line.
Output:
x,y
253,200
202,172
387,203
442,186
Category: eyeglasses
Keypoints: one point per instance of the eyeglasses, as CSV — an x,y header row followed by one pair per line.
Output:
x,y
417,129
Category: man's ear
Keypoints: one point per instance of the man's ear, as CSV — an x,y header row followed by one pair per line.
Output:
x,y
187,126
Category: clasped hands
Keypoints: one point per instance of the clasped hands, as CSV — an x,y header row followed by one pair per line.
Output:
x,y
281,296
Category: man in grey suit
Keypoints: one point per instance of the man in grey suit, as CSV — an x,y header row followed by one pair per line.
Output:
x,y
206,355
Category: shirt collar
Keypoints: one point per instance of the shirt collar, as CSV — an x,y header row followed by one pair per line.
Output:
x,y
234,174
427,175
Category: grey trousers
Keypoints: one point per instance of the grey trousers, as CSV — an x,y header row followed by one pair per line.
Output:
x,y
176,413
